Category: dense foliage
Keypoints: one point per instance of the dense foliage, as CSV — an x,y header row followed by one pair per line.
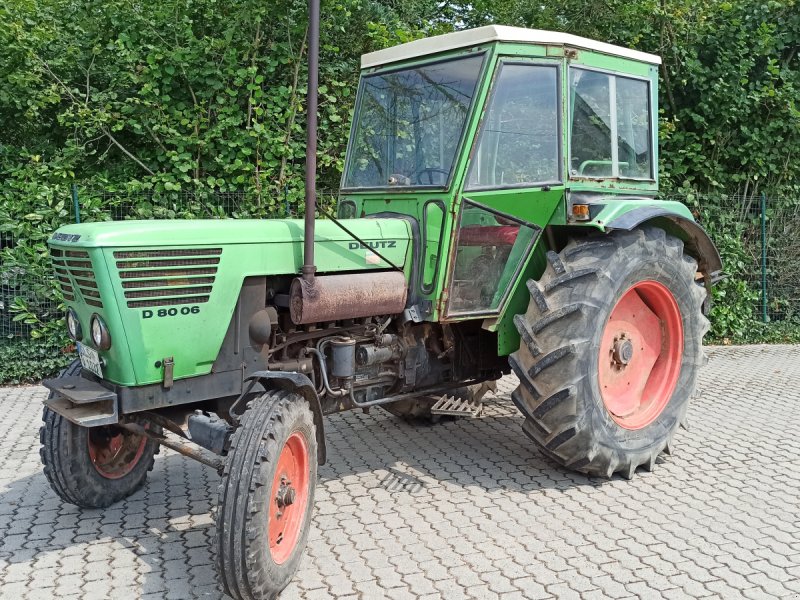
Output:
x,y
29,361
206,95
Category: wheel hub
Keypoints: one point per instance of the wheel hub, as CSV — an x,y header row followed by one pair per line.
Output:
x,y
640,354
622,353
114,452
286,494
290,490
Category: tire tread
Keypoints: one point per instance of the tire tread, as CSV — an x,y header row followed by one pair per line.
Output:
x,y
563,305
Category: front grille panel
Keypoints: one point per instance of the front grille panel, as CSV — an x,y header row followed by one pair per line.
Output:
x,y
168,293
181,262
73,269
168,253
178,281
167,277
167,273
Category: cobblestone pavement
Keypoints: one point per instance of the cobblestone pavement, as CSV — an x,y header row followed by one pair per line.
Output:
x,y
460,509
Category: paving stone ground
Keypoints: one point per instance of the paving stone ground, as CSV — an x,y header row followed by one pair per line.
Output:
x,y
466,509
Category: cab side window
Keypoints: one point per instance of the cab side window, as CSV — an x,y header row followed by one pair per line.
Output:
x,y
609,126
519,139
591,124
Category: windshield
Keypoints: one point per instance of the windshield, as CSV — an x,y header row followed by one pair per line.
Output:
x,y
409,124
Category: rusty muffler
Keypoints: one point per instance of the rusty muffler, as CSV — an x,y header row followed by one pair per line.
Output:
x,y
337,297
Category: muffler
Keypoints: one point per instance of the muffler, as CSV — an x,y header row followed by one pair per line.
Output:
x,y
351,296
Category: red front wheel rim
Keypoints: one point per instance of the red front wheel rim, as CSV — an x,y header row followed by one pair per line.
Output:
x,y
288,498
640,354
113,452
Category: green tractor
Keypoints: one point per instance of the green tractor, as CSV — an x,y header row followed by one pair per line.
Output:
x,y
497,214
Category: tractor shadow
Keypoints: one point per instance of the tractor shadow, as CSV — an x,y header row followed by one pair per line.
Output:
x,y
162,537
159,540
490,453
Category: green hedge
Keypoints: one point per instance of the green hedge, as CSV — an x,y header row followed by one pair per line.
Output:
x,y
30,361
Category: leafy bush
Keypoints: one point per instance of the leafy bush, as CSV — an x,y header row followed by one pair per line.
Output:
x,y
735,299
164,97
30,361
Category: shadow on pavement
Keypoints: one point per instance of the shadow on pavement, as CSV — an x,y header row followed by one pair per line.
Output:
x,y
165,530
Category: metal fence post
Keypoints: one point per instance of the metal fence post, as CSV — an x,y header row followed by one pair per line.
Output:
x,y
75,204
764,315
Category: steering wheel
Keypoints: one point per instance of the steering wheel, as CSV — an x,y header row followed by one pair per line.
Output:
x,y
430,171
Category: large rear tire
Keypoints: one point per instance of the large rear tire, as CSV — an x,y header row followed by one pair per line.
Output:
x,y
610,349
266,497
92,467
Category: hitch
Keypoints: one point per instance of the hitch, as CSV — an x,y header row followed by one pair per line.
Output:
x,y
180,445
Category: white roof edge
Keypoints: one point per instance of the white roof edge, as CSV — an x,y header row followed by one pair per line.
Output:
x,y
498,33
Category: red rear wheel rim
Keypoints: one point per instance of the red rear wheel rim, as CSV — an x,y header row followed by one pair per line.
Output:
x,y
288,498
113,452
640,354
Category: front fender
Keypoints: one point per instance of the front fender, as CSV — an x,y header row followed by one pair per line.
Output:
x,y
299,384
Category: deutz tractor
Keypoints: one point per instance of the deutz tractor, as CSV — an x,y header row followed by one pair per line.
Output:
x,y
498,214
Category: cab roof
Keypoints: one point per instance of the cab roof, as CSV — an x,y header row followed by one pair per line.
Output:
x,y
498,33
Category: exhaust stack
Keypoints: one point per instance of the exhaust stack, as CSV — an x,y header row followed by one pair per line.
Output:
x,y
311,142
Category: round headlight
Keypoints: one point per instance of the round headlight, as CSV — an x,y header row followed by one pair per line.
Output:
x,y
74,325
100,335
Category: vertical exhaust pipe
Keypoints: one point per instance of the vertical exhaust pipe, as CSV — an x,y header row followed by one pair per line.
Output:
x,y
311,142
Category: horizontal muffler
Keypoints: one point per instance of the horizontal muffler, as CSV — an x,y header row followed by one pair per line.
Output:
x,y
338,297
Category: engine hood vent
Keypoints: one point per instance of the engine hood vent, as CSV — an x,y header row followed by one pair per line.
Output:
x,y
75,276
167,277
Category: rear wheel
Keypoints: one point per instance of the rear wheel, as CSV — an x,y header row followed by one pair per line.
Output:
x,y
266,496
611,345
92,467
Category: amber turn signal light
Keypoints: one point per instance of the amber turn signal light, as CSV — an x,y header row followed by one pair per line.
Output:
x,y
580,212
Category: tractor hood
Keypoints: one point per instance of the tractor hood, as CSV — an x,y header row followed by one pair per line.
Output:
x,y
169,288
161,233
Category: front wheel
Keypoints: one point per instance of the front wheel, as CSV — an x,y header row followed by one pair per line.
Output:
x,y
266,496
610,348
92,467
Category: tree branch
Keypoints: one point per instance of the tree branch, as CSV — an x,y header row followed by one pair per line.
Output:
x,y
125,151
293,104
102,128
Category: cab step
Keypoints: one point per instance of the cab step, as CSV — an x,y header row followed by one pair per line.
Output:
x,y
454,406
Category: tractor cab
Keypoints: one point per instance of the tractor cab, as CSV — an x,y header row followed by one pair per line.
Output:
x,y
488,137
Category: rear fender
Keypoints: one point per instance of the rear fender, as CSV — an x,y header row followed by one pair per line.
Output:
x,y
629,212
298,384
697,242
609,214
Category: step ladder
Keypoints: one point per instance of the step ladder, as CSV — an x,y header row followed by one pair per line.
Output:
x,y
453,406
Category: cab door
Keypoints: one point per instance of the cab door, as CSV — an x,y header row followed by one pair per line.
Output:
x,y
513,185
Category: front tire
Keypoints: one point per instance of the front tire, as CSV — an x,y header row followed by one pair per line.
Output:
x,y
610,348
92,467
266,496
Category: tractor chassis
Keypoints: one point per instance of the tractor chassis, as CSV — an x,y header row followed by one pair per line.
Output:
x,y
202,429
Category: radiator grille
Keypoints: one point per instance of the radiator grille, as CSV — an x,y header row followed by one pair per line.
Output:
x,y
73,269
167,277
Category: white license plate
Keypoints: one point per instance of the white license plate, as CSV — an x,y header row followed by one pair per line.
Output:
x,y
90,359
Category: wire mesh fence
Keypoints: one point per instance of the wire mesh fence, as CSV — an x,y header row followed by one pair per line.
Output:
x,y
758,235
26,299
763,229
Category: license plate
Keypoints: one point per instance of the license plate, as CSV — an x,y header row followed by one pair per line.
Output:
x,y
90,359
